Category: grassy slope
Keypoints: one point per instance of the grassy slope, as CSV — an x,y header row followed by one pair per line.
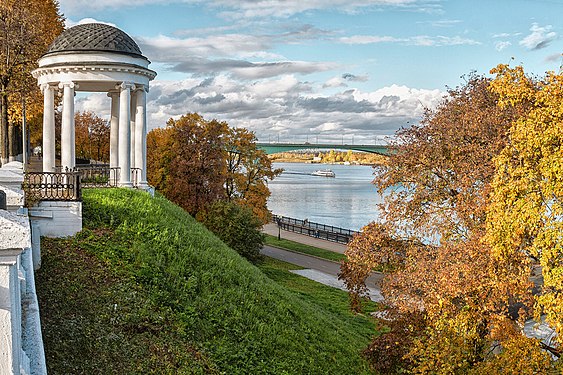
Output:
x,y
146,289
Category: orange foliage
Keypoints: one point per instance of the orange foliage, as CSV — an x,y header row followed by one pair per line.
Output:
x,y
186,161
430,243
27,28
92,137
195,162
248,172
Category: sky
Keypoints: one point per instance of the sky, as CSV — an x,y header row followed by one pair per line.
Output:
x,y
328,71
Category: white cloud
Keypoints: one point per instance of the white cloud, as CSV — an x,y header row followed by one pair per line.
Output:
x,y
540,37
335,82
556,57
214,54
252,9
326,127
266,70
78,6
341,81
438,41
95,102
165,48
499,46
282,106
419,40
285,104
442,23
70,23
287,8
369,39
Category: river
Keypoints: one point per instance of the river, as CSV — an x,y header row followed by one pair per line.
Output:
x,y
348,200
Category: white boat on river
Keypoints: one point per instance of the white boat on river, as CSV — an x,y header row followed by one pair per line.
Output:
x,y
323,173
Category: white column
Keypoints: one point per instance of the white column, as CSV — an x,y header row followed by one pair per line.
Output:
x,y
67,126
114,134
125,134
141,137
133,119
48,149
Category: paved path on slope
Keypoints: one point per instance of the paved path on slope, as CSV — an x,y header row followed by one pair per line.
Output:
x,y
303,260
321,270
272,229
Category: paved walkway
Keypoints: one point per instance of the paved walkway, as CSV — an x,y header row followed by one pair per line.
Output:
x,y
321,270
303,260
272,229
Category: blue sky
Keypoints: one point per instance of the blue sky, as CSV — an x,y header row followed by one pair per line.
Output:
x,y
332,69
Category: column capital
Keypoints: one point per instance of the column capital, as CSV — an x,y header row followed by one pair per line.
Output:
x,y
125,85
113,93
70,84
139,87
46,86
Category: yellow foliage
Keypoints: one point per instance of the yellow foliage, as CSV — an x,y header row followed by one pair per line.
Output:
x,y
27,28
451,255
526,211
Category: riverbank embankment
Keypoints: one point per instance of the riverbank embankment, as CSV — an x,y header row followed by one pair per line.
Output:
x,y
273,230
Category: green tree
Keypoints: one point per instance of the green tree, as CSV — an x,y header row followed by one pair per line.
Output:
x,y
237,226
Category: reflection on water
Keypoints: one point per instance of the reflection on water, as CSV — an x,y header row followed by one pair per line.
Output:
x,y
349,200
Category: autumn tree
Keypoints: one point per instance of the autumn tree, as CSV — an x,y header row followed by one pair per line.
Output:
x,y
525,216
248,172
92,137
186,161
430,244
27,28
213,162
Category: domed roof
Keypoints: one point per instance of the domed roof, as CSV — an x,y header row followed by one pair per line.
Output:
x,y
94,37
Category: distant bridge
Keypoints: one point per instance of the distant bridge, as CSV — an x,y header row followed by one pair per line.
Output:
x,y
274,148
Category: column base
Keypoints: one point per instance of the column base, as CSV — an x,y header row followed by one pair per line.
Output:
x,y
127,184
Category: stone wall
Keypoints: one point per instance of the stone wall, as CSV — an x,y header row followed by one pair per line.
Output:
x,y
20,329
57,219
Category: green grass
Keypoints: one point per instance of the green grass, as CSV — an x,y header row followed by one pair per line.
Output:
x,y
145,289
331,299
305,249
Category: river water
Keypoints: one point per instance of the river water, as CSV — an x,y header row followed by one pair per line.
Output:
x,y
348,200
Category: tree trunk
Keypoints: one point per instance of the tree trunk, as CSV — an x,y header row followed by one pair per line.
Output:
x,y
11,156
16,147
3,125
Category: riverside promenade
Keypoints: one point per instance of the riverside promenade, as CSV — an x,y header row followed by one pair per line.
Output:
x,y
317,269
272,229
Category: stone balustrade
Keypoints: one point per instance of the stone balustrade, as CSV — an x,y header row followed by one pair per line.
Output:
x,y
20,329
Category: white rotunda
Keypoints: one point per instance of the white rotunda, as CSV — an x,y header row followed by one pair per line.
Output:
x,y
97,58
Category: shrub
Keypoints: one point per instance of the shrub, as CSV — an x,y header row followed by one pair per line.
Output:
x,y
237,226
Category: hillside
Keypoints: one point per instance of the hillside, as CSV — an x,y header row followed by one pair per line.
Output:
x,y
144,288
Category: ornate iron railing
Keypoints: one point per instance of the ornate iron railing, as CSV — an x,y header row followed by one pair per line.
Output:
x,y
98,175
66,186
312,229
51,186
